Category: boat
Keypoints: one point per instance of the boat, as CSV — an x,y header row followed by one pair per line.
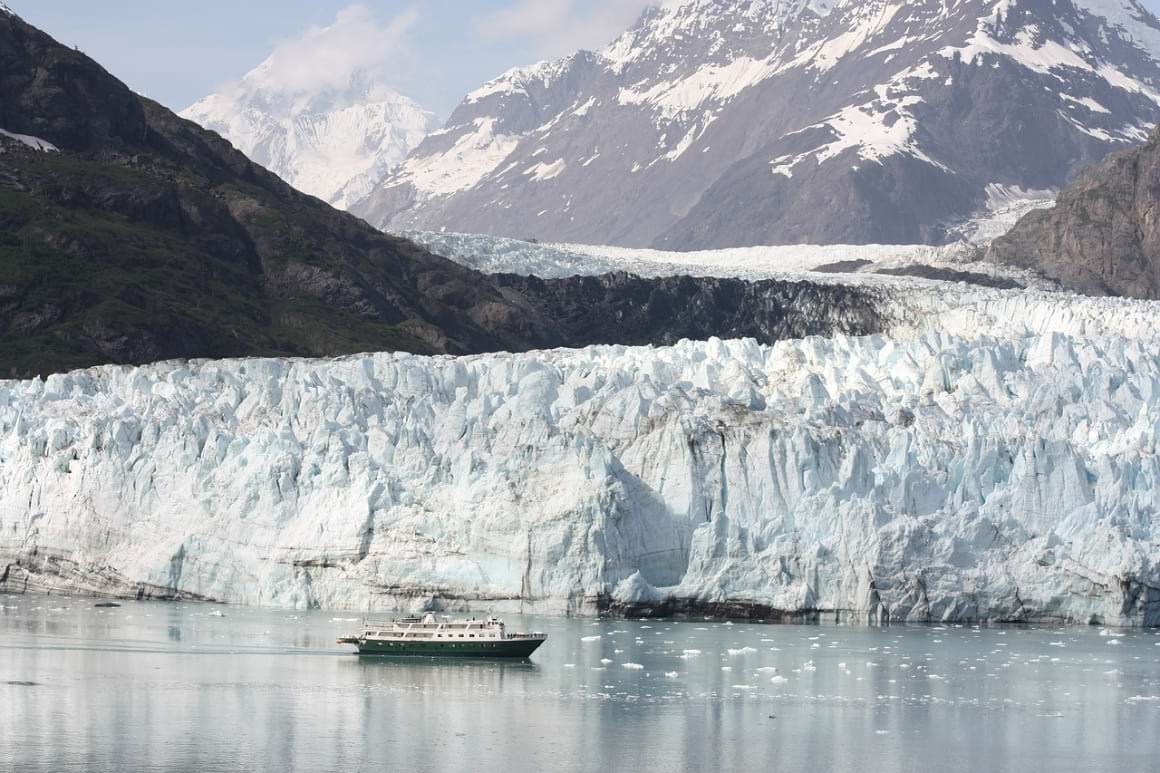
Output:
x,y
431,636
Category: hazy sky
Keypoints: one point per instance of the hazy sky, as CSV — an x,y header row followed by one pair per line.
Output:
x,y
432,50
435,50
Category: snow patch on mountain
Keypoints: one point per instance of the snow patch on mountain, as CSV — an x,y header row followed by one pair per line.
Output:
x,y
469,160
33,142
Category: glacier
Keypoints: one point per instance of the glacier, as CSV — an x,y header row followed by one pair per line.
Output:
x,y
991,457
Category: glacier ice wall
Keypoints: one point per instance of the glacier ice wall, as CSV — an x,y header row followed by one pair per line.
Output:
x,y
943,475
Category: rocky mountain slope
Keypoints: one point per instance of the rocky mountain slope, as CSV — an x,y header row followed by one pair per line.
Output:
x,y
1103,235
716,123
336,144
129,235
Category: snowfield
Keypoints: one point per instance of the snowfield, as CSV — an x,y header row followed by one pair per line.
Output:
x,y
993,458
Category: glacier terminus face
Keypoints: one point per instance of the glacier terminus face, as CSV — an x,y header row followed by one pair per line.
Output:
x,y
957,470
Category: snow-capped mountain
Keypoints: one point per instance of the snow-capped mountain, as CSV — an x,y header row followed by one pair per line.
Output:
x,y
716,123
336,144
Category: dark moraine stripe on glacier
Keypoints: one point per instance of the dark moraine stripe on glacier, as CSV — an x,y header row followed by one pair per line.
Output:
x,y
626,309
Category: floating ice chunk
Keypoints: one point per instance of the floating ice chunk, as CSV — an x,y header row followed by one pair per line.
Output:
x,y
590,638
671,675
742,651
767,670
778,680
632,666
606,661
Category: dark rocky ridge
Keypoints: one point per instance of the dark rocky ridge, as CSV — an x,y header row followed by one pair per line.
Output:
x,y
148,238
1103,235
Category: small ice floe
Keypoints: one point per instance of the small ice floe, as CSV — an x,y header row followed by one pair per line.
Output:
x,y
606,661
1143,699
690,653
671,675
1115,672
1056,644
1114,641
726,668
842,665
935,677
617,652
590,638
809,667
569,665
743,687
881,732
632,666
778,680
767,670
742,651
217,613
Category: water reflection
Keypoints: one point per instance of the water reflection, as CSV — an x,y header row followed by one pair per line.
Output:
x,y
178,687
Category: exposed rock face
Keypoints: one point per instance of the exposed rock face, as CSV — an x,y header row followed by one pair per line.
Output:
x,y
723,123
1103,235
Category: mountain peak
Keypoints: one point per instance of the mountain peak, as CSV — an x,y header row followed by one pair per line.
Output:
x,y
752,122
332,140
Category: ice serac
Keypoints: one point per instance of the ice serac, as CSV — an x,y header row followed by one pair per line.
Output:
x,y
717,123
993,458
336,143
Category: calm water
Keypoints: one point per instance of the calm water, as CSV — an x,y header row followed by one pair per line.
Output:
x,y
153,687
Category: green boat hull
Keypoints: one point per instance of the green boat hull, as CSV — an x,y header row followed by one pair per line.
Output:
x,y
512,648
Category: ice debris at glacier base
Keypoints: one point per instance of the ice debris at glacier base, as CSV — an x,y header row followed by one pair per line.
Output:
x,y
999,465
